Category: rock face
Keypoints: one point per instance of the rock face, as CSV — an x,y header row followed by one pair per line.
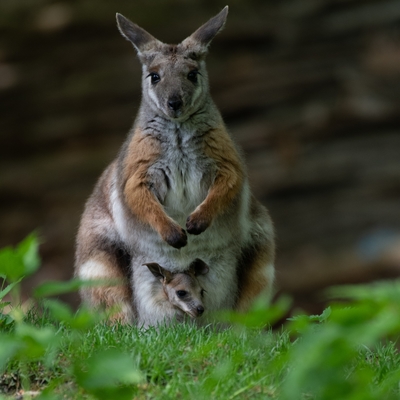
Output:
x,y
310,89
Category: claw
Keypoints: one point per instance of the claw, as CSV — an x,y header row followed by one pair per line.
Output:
x,y
177,239
195,226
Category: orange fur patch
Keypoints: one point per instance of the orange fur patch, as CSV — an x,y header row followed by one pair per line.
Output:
x,y
142,152
253,279
228,181
116,298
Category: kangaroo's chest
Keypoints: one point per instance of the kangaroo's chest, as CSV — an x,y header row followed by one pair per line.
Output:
x,y
187,174
186,183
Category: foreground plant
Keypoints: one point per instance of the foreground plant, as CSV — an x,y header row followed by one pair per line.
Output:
x,y
348,352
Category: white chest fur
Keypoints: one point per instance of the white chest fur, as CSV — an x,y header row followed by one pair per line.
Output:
x,y
187,171
186,189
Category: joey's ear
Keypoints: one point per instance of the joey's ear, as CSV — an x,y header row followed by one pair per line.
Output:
x,y
199,267
141,40
206,33
158,271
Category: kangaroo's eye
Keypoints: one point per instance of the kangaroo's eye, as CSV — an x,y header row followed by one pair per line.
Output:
x,y
181,293
192,76
202,292
154,77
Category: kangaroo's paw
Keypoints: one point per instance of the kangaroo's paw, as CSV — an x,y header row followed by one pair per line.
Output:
x,y
175,236
197,223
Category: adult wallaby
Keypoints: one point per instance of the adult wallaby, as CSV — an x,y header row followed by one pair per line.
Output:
x,y
175,294
177,191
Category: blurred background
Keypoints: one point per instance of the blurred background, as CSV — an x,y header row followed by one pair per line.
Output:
x,y
309,88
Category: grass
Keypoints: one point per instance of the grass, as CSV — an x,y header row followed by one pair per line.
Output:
x,y
187,362
349,352
178,362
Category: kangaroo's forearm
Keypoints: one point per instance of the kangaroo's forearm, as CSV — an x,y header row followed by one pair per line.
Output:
x,y
143,204
143,151
227,184
226,187
230,174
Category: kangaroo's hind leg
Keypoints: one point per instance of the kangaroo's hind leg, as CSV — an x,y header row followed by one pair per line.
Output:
x,y
109,263
101,254
256,266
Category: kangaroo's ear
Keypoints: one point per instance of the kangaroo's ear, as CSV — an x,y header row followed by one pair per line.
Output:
x,y
206,33
199,267
155,269
141,40
159,272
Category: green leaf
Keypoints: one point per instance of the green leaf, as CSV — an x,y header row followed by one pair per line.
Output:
x,y
51,391
83,319
28,250
53,288
47,395
4,304
384,291
11,264
58,310
322,317
8,349
36,341
260,315
300,323
5,319
8,288
21,261
109,374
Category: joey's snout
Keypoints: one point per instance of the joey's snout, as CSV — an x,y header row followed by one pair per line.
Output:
x,y
200,310
195,310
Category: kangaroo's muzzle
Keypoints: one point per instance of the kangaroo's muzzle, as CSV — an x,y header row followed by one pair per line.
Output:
x,y
175,103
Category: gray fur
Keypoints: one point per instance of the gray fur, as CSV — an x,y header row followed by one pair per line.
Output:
x,y
180,179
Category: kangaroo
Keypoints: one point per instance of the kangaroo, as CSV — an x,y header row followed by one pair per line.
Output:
x,y
179,293
177,191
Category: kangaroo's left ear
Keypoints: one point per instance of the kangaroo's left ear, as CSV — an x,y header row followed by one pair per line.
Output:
x,y
206,33
199,267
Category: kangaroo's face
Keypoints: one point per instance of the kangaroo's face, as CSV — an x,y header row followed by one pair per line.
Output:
x,y
175,82
183,289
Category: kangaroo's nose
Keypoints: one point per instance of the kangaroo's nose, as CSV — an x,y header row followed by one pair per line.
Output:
x,y
175,103
200,310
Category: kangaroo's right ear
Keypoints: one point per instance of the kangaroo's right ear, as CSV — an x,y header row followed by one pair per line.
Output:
x,y
141,40
158,271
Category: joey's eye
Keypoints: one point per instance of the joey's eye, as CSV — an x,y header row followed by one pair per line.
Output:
x,y
192,75
154,77
181,293
202,292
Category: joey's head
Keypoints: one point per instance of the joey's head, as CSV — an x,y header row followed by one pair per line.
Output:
x,y
183,289
175,81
